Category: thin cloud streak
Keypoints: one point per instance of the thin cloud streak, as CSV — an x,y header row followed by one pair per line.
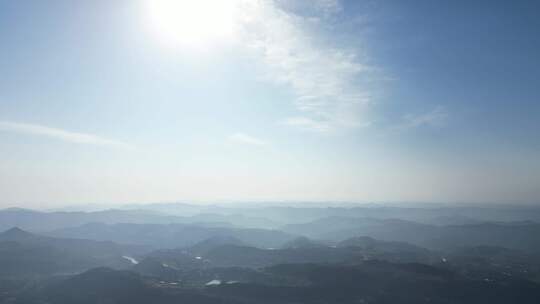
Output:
x,y
434,118
247,139
60,134
307,124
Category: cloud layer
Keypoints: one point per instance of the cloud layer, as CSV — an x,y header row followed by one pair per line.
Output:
x,y
247,139
60,134
322,77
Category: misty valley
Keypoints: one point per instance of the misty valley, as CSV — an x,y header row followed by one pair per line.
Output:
x,y
181,253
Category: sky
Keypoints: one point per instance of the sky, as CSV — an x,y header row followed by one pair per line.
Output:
x,y
117,102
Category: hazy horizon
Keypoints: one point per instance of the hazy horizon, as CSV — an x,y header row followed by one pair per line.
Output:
x,y
254,204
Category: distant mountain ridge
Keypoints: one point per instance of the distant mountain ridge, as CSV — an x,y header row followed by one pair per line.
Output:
x,y
48,221
173,235
517,235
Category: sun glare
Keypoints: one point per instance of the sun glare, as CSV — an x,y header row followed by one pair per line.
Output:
x,y
192,22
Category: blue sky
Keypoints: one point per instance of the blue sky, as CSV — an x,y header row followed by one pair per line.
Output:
x,y
326,100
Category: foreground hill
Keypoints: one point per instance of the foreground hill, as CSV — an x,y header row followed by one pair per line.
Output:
x,y
370,282
26,254
381,282
103,285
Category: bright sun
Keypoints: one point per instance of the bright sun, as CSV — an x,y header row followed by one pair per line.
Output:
x,y
193,23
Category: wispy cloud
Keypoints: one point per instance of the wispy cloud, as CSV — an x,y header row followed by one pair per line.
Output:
x,y
437,117
247,139
328,6
323,78
307,123
60,134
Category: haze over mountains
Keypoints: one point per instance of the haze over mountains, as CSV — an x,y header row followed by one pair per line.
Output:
x,y
231,254
269,152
